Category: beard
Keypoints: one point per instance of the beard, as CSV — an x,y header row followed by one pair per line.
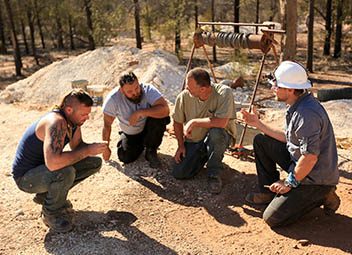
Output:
x,y
137,99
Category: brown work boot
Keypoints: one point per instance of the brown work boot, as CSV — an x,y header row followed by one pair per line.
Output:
x,y
152,157
331,203
39,199
214,184
58,222
260,198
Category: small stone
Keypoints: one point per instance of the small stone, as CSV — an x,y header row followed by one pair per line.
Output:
x,y
19,212
303,242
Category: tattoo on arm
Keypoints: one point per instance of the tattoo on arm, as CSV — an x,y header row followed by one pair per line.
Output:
x,y
57,134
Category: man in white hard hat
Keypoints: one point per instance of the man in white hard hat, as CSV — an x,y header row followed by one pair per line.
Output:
x,y
306,150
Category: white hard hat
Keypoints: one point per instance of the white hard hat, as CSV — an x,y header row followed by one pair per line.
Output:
x,y
291,75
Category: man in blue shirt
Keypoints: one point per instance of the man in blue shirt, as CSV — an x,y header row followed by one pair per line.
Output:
x,y
306,151
42,167
142,113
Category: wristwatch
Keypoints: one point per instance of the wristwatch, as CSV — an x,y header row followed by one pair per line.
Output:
x,y
291,181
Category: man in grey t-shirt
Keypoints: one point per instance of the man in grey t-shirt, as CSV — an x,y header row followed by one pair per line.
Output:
x,y
143,115
306,151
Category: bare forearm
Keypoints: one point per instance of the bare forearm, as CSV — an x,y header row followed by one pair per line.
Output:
x,y
305,165
67,158
157,111
106,133
178,129
272,132
210,122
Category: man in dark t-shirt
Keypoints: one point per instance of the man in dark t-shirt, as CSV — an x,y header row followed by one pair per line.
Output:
x,y
42,167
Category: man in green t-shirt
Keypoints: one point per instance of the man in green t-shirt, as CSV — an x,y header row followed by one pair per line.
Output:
x,y
204,127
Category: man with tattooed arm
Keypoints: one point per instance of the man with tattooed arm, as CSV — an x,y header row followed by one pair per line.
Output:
x,y
42,166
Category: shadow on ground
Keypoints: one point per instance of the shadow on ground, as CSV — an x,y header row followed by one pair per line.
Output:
x,y
104,233
319,229
193,192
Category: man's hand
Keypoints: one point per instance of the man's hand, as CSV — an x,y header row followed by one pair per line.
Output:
x,y
107,154
97,148
279,187
187,131
180,153
135,117
251,118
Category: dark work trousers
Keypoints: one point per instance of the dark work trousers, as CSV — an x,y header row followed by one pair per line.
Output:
x,y
129,147
56,184
289,207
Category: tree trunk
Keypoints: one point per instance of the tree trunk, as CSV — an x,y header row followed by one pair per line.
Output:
x,y
310,36
3,49
24,36
177,31
39,24
236,15
137,25
59,31
328,29
71,29
257,16
195,14
213,28
31,30
273,4
338,32
16,49
87,7
288,11
148,22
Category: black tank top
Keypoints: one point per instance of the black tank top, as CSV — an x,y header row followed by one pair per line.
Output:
x,y
30,152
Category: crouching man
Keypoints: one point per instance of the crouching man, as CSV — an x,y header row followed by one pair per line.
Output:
x,y
306,150
143,114
204,127
42,167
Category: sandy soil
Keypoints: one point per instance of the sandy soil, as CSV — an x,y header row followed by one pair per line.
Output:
x,y
134,209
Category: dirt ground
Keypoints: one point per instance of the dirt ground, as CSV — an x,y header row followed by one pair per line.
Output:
x,y
134,209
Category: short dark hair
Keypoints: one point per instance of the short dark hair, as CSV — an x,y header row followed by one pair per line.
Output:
x,y
299,92
127,78
201,76
76,94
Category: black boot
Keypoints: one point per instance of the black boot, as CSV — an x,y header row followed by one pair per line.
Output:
x,y
152,157
331,203
59,222
39,199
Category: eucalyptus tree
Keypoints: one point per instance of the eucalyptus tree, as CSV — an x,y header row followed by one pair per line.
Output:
x,y
14,40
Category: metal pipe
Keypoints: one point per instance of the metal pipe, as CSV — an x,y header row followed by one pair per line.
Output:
x,y
233,40
236,24
209,64
188,66
253,97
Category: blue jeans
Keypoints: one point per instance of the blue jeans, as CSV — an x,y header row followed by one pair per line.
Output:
x,y
210,150
289,207
57,183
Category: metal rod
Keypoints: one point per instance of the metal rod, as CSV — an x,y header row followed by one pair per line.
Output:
x,y
276,31
253,97
188,66
209,63
235,24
